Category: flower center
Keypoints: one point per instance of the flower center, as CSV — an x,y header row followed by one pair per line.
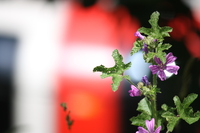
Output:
x,y
162,66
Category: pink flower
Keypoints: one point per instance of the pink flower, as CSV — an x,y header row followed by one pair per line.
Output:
x,y
134,91
150,126
160,67
137,33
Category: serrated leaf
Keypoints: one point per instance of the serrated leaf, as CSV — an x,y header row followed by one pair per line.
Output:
x,y
161,55
116,72
156,31
165,30
189,99
137,46
140,119
154,19
144,106
172,120
165,46
183,109
146,31
149,57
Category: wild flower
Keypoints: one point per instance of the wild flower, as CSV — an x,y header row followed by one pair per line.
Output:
x,y
160,68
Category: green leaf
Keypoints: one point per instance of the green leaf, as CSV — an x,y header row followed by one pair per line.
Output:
x,y
144,106
116,72
156,31
144,30
140,119
189,99
172,120
165,30
64,105
69,121
149,57
183,109
161,55
137,46
165,46
154,20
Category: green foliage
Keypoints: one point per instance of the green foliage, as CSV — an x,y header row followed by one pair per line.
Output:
x,y
137,46
64,105
116,72
68,118
154,37
69,121
139,120
183,111
144,106
156,31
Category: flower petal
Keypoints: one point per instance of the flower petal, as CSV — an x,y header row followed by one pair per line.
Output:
x,y
142,130
157,60
170,58
172,69
162,75
134,91
137,33
150,125
158,129
145,80
154,69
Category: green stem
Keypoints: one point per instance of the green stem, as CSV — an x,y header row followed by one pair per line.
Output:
x,y
153,101
155,80
130,82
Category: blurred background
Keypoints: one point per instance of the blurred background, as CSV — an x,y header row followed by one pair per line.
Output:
x,y
48,49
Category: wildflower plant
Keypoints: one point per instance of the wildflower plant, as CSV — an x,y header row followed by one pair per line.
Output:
x,y
150,119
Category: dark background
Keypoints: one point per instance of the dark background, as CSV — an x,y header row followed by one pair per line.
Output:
x,y
187,81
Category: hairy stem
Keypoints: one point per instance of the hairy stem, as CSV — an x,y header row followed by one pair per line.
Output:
x,y
130,82
153,101
155,79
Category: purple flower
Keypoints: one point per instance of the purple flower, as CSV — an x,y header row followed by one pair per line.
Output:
x,y
145,48
160,67
150,126
134,91
137,33
145,80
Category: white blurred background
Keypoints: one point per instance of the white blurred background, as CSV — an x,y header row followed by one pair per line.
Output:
x,y
48,50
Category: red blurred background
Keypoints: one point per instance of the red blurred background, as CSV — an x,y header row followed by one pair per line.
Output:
x,y
49,48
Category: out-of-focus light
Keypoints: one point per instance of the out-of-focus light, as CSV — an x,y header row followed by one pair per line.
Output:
x,y
80,59
85,105
194,4
139,67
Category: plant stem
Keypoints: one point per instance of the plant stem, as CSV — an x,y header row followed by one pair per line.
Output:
x,y
153,101
154,80
130,82
154,109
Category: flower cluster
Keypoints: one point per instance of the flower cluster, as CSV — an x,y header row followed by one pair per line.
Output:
x,y
158,68
150,41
